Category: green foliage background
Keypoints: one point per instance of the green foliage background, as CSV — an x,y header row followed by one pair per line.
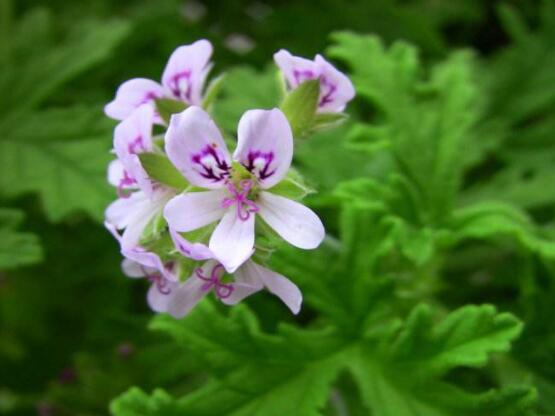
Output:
x,y
434,292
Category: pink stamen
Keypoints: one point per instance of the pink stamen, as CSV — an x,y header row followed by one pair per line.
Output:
x,y
244,205
158,280
222,290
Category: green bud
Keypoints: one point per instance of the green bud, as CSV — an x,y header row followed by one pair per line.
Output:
x,y
300,105
159,168
212,91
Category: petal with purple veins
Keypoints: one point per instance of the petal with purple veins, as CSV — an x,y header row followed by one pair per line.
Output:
x,y
186,71
265,145
197,149
296,70
336,89
131,94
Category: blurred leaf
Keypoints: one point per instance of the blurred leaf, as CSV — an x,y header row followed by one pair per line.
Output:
x,y
63,155
299,106
16,248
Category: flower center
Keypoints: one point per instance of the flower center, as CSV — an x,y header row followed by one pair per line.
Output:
x,y
239,197
180,85
210,164
222,290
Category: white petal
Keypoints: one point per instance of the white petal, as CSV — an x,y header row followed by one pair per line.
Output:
x,y
197,149
277,284
159,301
186,71
193,210
343,90
244,285
265,145
294,222
295,69
187,295
232,241
195,251
132,269
130,95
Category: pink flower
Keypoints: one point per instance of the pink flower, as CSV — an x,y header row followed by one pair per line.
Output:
x,y
336,90
248,279
140,200
183,79
265,149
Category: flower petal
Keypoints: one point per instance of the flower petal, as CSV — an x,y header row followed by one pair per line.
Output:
x,y
159,300
193,210
336,89
149,262
265,145
277,284
134,134
232,241
295,69
131,268
187,295
130,95
133,214
244,285
294,222
195,251
186,71
116,172
196,147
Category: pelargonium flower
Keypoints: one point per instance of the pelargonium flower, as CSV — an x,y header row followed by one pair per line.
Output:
x,y
248,279
163,277
183,80
140,199
336,89
264,150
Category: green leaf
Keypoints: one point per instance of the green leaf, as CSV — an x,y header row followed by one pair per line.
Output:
x,y
491,220
63,155
212,91
137,403
160,168
299,106
166,107
16,248
427,122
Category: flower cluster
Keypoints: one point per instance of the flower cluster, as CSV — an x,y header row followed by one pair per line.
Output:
x,y
191,217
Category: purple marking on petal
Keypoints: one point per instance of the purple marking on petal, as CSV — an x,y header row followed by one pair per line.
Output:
x,y
259,163
176,85
222,290
303,75
330,88
127,180
149,96
136,146
212,165
240,197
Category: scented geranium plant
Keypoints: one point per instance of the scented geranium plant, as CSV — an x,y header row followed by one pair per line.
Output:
x,y
208,228
190,217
